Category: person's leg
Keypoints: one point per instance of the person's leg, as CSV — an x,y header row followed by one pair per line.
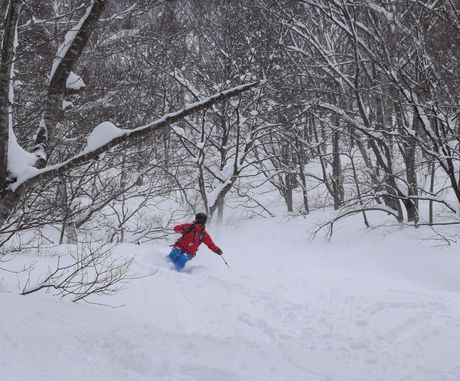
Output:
x,y
182,260
175,254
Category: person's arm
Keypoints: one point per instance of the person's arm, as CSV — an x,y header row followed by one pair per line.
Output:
x,y
209,243
183,228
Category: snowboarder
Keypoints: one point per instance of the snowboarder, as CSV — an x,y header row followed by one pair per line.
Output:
x,y
193,235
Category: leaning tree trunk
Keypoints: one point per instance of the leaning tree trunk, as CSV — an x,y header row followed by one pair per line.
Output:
x,y
67,56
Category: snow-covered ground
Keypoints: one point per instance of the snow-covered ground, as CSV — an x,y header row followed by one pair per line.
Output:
x,y
376,305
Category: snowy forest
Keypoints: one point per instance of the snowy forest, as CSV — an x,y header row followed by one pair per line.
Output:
x,y
333,119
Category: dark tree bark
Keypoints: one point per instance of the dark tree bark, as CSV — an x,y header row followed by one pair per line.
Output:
x,y
7,57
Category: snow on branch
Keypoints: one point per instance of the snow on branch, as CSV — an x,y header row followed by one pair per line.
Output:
x,y
106,136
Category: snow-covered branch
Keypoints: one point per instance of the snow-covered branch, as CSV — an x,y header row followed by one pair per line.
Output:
x,y
106,136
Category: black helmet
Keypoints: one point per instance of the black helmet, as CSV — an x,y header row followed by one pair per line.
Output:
x,y
201,218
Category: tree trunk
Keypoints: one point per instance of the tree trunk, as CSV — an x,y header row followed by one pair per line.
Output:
x,y
8,198
220,209
7,56
288,196
337,177
301,161
408,151
57,86
430,204
411,175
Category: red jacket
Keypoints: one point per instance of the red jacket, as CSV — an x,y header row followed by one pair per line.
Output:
x,y
192,236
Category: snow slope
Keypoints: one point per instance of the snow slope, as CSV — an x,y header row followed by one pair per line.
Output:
x,y
384,305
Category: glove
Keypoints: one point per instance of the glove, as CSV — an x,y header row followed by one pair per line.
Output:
x,y
219,251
